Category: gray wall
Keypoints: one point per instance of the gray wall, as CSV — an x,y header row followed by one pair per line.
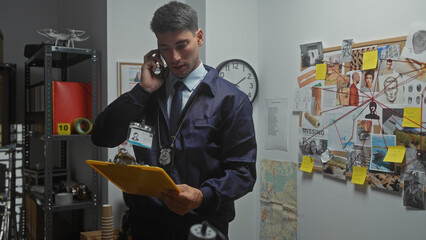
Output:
x,y
19,21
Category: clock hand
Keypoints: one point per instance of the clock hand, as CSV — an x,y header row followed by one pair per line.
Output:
x,y
239,81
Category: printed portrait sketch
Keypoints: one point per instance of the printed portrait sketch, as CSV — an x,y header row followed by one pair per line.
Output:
x,y
346,55
391,92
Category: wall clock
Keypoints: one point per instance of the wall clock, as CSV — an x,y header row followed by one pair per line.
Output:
x,y
241,74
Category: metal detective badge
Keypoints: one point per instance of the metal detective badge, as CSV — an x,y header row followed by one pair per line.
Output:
x,y
166,155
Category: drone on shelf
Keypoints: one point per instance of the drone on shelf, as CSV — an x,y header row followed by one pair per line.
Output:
x,y
64,39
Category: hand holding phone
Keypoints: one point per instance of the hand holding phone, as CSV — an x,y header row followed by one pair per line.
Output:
x,y
154,71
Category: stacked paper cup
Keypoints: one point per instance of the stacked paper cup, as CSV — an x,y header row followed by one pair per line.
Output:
x,y
107,222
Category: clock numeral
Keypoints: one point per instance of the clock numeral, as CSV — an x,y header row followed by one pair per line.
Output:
x,y
235,65
222,74
227,68
251,85
249,76
249,95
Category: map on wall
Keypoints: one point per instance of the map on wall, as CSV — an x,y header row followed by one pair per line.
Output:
x,y
278,200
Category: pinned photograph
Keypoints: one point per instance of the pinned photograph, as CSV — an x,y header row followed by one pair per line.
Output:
x,y
357,57
369,85
336,166
354,87
386,67
313,146
334,67
353,158
365,155
378,152
392,51
413,162
363,132
312,54
413,190
415,46
343,89
384,181
391,118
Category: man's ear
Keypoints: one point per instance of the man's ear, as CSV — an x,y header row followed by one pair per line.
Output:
x,y
200,37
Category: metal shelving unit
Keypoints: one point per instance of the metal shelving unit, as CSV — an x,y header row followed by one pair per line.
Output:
x,y
9,224
48,58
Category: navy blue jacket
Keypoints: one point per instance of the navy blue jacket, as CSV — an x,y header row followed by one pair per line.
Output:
x,y
215,148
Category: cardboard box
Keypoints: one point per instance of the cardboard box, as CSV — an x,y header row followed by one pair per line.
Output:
x,y
66,224
35,219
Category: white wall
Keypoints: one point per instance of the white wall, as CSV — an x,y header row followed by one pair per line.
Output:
x,y
331,209
231,32
129,39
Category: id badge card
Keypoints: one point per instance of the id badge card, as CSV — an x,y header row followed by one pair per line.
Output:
x,y
140,135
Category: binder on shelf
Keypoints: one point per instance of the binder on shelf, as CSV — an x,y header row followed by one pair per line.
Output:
x,y
135,179
71,100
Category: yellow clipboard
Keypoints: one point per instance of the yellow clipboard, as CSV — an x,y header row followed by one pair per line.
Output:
x,y
135,179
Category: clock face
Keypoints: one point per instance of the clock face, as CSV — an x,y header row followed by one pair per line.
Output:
x,y
241,74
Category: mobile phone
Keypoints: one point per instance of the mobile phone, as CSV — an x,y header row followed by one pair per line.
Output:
x,y
161,69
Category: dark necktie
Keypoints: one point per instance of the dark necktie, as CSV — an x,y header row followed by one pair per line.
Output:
x,y
176,107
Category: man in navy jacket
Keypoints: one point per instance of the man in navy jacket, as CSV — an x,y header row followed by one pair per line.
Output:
x,y
214,149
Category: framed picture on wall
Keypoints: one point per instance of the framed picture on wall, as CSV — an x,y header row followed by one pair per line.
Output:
x,y
129,74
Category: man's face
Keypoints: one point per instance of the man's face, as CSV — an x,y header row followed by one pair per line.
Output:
x,y
355,77
391,91
369,80
388,65
180,50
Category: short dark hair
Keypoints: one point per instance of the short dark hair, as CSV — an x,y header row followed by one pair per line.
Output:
x,y
174,16
369,73
389,60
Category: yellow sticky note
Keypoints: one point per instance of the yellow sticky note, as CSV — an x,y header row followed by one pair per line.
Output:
x,y
395,154
64,129
307,164
412,117
358,175
369,60
321,71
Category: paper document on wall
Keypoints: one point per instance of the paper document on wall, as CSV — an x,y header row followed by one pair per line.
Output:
x,y
276,124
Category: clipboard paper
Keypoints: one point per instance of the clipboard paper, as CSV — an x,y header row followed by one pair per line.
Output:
x,y
135,179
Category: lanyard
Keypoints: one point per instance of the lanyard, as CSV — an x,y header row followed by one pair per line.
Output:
x,y
167,152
